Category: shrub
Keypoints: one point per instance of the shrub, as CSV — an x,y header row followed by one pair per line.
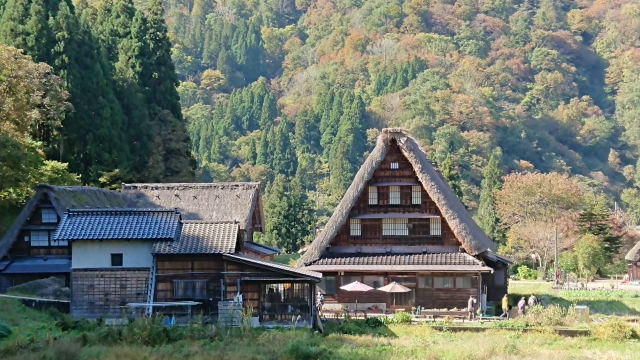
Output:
x,y
613,330
401,318
307,348
552,315
373,322
5,330
525,273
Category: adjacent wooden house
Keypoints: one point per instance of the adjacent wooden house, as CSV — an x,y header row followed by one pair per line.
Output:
x,y
112,262
206,265
400,221
28,251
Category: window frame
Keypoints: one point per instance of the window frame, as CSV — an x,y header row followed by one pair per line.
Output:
x,y
355,227
37,241
379,279
395,197
323,284
435,226
114,256
394,165
49,212
395,227
416,195
373,195
423,283
435,281
190,289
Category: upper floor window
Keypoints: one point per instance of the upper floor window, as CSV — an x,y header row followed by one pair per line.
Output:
x,y
116,259
355,227
395,166
49,215
373,195
416,195
395,227
436,226
59,242
394,195
39,238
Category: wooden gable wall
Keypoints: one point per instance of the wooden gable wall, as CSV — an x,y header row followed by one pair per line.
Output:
x,y
372,228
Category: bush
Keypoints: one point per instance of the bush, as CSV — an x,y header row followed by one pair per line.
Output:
x,y
552,315
613,330
307,348
373,322
5,330
525,273
401,318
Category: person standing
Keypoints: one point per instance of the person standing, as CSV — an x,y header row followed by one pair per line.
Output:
x,y
522,304
505,306
533,301
471,307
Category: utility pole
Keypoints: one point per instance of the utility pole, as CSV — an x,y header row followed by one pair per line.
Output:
x,y
555,263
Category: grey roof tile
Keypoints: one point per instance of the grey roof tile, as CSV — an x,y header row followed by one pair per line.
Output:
x,y
274,265
112,224
202,237
399,259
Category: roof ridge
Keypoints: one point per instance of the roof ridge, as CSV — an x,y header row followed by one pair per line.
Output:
x,y
210,222
115,210
189,185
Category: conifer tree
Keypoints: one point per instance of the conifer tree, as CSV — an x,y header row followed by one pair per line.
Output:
x,y
595,219
284,157
262,151
450,173
487,217
268,112
330,126
252,152
307,135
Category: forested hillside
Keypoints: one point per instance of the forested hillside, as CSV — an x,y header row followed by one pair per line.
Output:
x,y
293,93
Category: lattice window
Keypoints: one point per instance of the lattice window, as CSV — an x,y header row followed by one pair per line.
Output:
x,y
463,282
39,238
395,166
59,242
49,216
373,195
419,227
416,195
355,227
436,226
395,227
443,282
190,289
394,195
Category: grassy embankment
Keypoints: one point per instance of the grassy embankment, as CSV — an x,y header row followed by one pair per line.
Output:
x,y
43,335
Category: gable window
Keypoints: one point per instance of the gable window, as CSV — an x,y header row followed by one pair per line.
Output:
x,y
394,195
395,227
116,259
373,195
395,166
328,284
190,289
416,195
436,226
39,238
49,216
355,228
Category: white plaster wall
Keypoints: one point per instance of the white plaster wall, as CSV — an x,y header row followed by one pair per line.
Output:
x,y
89,254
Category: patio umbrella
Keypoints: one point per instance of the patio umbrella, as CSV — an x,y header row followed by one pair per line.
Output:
x,y
356,286
394,287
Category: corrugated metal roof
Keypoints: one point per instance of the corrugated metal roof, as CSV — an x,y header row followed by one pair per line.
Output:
x,y
274,266
38,265
107,224
202,237
260,248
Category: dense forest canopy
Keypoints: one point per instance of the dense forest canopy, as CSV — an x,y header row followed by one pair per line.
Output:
x,y
292,93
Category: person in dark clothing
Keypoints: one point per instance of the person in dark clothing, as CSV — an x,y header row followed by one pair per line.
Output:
x,y
471,307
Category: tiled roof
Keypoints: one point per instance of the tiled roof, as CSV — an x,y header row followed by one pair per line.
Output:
x,y
430,261
111,224
35,265
260,248
202,237
274,266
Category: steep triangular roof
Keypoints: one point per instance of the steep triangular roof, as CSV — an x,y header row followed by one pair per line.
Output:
x,y
62,198
473,239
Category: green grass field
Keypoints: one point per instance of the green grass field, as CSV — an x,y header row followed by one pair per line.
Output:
x,y
600,302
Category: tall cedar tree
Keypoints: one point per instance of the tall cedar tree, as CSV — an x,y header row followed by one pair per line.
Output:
x,y
595,219
487,216
450,173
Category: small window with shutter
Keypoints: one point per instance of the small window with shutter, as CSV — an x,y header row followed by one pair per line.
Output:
x,y
435,225
373,195
355,228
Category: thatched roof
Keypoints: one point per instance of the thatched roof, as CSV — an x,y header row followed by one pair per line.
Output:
x,y
62,198
634,254
473,239
200,201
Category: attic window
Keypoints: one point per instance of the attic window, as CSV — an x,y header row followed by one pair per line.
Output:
x,y
49,216
394,195
395,166
395,227
373,195
436,226
416,195
355,228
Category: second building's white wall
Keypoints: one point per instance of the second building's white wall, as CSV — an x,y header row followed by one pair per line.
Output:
x,y
90,254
